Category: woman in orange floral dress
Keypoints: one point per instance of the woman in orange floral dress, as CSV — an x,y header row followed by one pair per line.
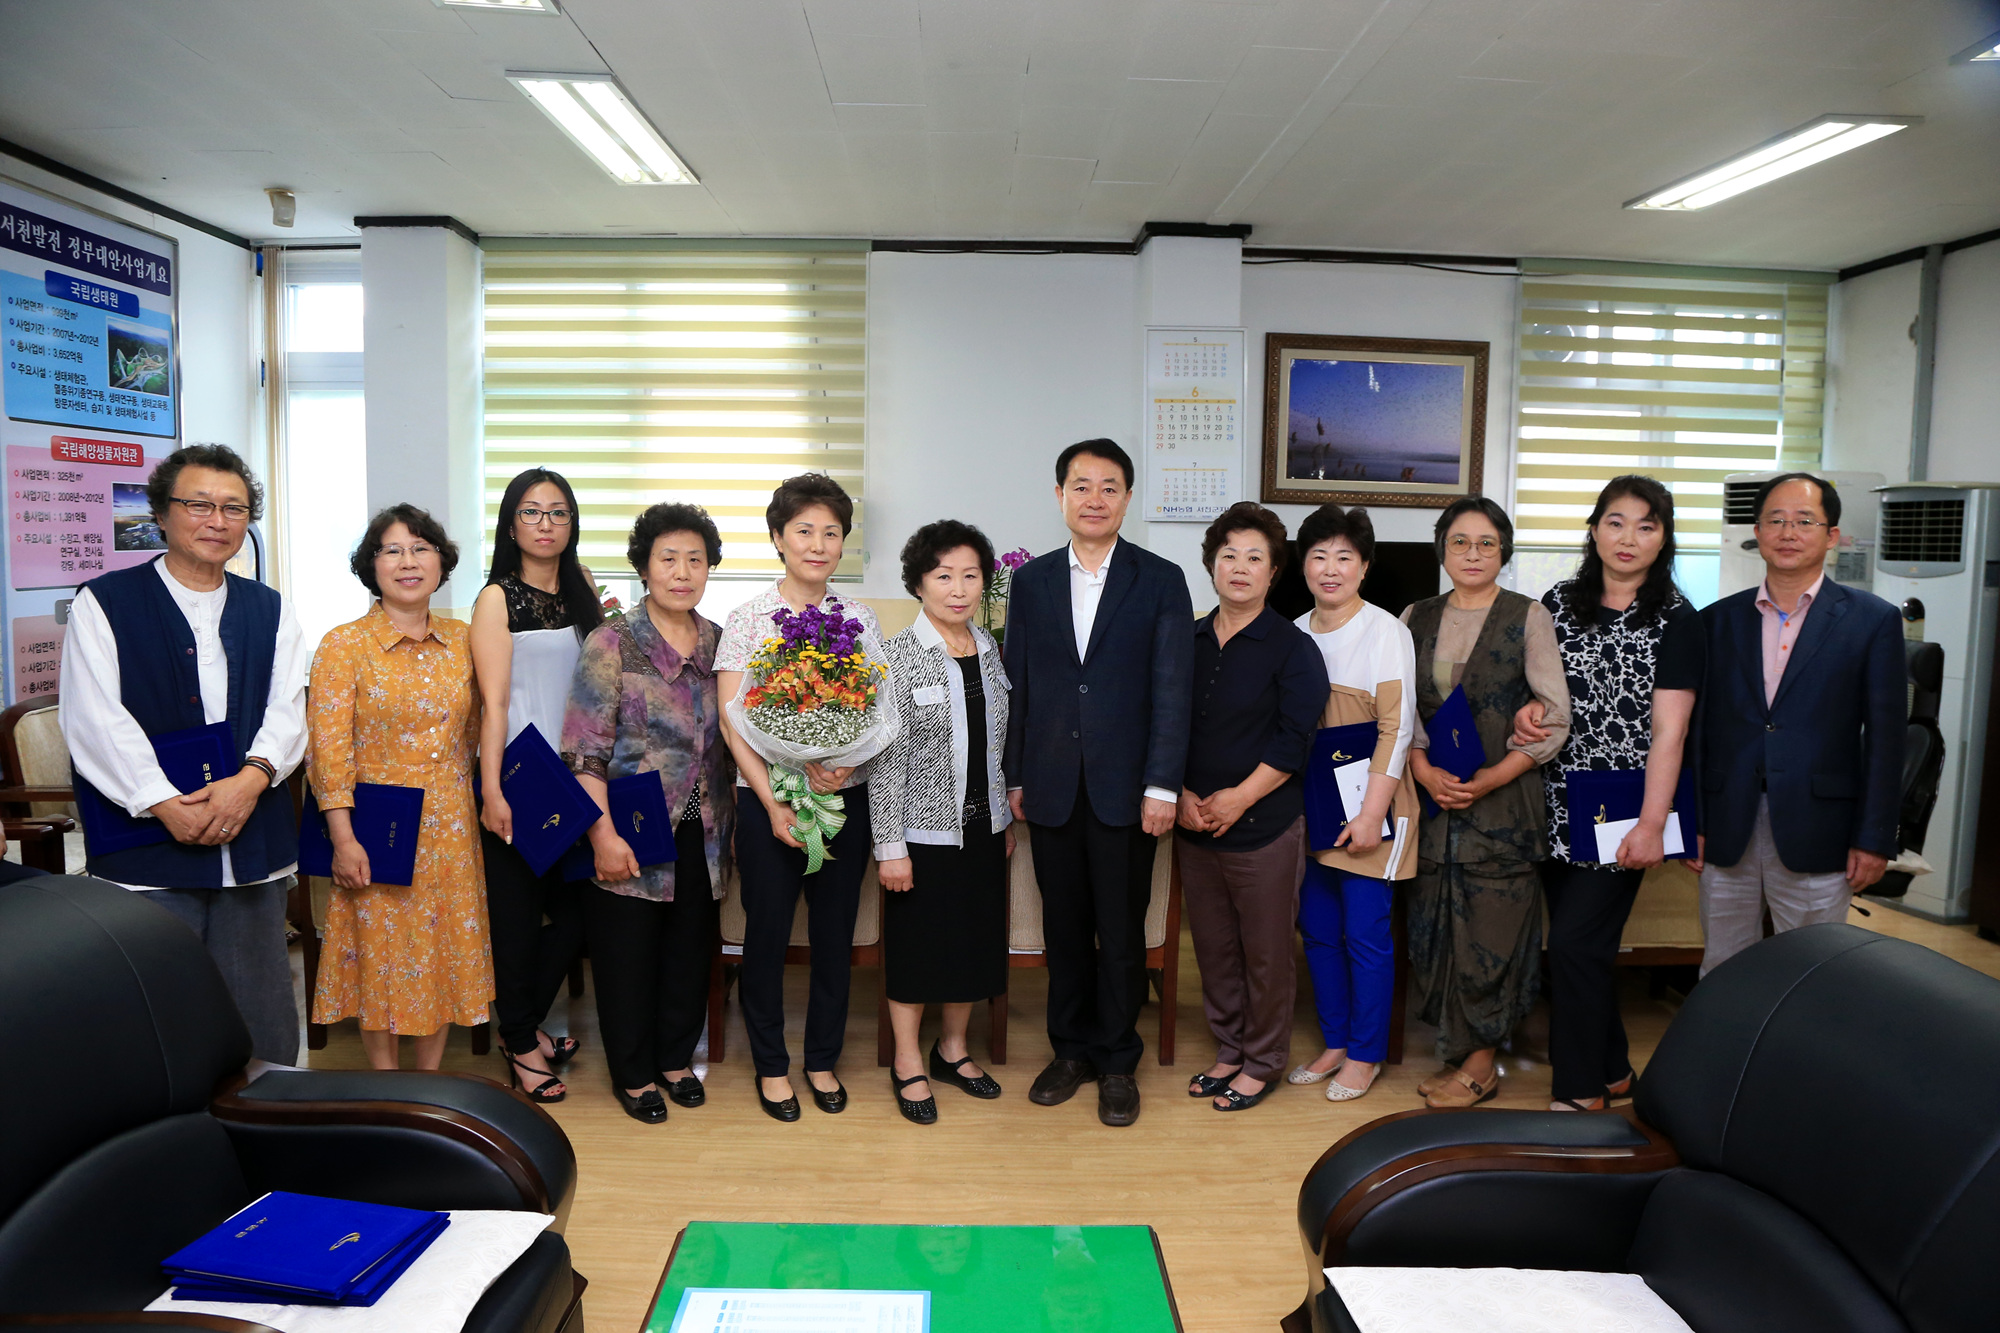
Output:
x,y
393,702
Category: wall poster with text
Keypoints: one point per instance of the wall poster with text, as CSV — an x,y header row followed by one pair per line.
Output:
x,y
89,402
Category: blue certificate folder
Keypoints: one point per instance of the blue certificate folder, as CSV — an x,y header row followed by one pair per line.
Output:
x,y
190,759
299,1248
551,808
1605,796
1455,744
1332,747
639,812
386,822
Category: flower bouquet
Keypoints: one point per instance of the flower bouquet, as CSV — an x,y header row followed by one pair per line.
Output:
x,y
814,697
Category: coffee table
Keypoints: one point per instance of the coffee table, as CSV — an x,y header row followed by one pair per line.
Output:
x,y
981,1279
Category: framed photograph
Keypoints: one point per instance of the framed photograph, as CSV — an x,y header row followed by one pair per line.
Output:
x,y
1374,421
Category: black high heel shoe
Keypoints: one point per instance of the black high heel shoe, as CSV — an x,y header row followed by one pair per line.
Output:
x,y
786,1111
917,1113
981,1086
540,1092
833,1103
564,1048
648,1108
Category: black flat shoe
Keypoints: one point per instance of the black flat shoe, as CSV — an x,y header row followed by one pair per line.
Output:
x,y
648,1108
686,1091
833,1103
1243,1101
565,1049
917,1113
946,1071
786,1111
540,1091
1204,1086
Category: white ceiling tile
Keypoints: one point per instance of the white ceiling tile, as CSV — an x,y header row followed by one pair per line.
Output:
x,y
862,118
1064,131
870,67
1155,123
1274,81
1195,41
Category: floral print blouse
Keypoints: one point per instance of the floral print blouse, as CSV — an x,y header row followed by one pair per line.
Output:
x,y
637,706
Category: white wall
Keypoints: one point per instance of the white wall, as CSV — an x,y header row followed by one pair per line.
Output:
x,y
981,368
1965,398
220,335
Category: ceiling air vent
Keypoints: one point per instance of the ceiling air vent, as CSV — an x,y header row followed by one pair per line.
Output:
x,y
1739,502
1922,531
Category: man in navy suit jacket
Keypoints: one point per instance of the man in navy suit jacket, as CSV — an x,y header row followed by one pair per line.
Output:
x,y
1100,655
1800,740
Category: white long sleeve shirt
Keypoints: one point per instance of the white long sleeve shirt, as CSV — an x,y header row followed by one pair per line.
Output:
x,y
106,743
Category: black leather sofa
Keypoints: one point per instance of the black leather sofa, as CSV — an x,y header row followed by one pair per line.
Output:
x,y
126,1130
1814,1148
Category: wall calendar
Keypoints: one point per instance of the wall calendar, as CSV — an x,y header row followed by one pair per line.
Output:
x,y
1195,380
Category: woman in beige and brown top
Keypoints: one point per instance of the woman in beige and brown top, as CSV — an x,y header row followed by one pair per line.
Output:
x,y
1349,887
1476,919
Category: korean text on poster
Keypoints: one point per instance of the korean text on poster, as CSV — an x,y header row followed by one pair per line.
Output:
x,y
77,509
1194,423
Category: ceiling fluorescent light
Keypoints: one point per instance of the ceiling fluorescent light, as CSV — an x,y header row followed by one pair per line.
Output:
x,y
600,119
1826,137
1987,48
513,6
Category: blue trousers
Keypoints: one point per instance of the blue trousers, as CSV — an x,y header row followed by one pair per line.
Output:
x,y
1351,956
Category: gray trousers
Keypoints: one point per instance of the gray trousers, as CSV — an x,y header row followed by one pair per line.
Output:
x,y
1733,898
244,929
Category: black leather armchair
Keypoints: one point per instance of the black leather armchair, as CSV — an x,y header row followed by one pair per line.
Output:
x,y
1814,1148
127,1130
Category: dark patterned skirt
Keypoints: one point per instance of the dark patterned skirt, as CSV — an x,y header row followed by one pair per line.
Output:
x,y
1475,950
945,940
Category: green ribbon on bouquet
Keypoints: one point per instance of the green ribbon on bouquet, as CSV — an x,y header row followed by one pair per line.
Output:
x,y
819,818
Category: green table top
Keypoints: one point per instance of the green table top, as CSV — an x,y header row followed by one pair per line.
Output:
x,y
1004,1279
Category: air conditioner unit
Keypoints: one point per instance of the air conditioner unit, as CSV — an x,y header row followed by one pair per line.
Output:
x,y
1939,560
1851,562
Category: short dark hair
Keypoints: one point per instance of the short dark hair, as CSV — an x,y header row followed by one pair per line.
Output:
x,y
1829,498
928,545
1107,450
1329,521
666,517
1245,516
797,494
421,525
1476,504
216,457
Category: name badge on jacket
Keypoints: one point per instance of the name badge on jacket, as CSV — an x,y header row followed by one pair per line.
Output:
x,y
928,694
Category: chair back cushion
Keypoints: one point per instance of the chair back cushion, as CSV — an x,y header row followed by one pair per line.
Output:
x,y
1731,1259
1852,1078
867,918
44,758
92,1237
129,1020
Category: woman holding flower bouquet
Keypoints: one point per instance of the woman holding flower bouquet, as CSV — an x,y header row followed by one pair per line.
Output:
x,y
644,701
939,807
784,815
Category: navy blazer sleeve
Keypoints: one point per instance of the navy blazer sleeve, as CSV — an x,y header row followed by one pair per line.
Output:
x,y
1173,683
1885,675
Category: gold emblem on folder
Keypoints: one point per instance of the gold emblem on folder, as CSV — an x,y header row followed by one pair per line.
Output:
x,y
1454,736
638,818
1338,757
553,820
1600,815
350,1236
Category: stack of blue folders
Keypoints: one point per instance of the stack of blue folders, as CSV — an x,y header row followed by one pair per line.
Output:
x,y
297,1249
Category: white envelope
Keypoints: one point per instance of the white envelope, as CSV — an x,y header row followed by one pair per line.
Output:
x,y
1352,782
1611,834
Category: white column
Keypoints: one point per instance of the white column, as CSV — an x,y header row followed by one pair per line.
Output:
x,y
1187,281
420,322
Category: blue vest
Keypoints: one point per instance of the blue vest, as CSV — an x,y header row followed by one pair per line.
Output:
x,y
160,685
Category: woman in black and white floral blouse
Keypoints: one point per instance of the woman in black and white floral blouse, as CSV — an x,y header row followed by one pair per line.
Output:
x,y
1632,654
938,804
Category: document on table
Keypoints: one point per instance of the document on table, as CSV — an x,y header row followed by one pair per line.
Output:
x,y
804,1310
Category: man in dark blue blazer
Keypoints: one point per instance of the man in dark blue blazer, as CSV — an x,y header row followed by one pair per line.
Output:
x,y
1800,738
1100,654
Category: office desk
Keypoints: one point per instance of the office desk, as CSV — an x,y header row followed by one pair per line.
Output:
x,y
1002,1279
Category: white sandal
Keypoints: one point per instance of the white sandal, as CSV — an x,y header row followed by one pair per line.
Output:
x,y
1304,1077
1340,1092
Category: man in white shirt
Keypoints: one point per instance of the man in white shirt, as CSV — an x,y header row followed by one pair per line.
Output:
x,y
165,649
1100,655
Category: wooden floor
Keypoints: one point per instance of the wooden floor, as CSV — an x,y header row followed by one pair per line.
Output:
x,y
1219,1189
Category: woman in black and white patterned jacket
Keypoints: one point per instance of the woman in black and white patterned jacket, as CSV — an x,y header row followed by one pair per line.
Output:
x,y
938,805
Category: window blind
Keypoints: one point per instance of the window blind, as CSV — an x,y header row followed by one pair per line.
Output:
x,y
698,375
1683,375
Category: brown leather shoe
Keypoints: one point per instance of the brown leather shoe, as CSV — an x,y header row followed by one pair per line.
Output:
x,y
1117,1099
1059,1081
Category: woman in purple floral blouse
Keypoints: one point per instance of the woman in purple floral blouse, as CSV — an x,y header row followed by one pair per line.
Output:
x,y
644,701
